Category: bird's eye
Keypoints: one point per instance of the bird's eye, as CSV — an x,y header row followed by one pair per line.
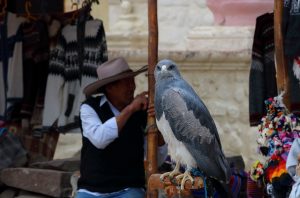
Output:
x,y
158,68
171,67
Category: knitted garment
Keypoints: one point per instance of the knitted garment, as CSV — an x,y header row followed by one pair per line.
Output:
x,y
290,27
35,63
65,83
291,35
11,65
262,79
294,86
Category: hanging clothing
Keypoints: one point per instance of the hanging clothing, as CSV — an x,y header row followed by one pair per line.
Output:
x,y
66,80
291,27
36,62
262,79
291,35
294,86
11,65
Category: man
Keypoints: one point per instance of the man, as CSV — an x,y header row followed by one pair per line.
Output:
x,y
113,125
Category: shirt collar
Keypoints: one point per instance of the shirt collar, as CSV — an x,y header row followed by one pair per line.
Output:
x,y
104,99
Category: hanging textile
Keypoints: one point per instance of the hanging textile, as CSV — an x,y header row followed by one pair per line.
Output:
x,y
64,91
294,86
11,66
291,27
262,79
291,35
35,64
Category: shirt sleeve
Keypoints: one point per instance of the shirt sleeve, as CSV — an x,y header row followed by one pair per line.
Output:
x,y
99,134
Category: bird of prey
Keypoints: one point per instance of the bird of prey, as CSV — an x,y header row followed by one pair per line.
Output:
x,y
187,127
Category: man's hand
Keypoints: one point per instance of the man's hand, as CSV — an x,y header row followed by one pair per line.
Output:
x,y
140,102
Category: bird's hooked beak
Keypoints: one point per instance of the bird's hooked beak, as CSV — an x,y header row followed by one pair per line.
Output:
x,y
163,68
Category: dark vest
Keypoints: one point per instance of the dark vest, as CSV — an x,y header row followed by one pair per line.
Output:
x,y
121,164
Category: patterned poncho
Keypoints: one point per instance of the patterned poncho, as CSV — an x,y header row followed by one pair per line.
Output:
x,y
262,79
66,80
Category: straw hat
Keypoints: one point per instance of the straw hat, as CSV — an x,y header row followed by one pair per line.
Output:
x,y
111,71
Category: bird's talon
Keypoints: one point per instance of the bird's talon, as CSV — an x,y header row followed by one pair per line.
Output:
x,y
163,177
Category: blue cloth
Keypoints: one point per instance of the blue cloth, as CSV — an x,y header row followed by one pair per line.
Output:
x,y
292,162
11,149
126,193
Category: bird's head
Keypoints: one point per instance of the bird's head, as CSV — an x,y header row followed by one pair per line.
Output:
x,y
166,69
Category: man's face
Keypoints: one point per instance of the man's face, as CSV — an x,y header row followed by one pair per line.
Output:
x,y
122,91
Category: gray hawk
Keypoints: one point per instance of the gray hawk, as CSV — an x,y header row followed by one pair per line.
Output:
x,y
187,126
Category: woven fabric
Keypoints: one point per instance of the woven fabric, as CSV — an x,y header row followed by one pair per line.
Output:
x,y
290,27
262,79
66,80
253,190
11,63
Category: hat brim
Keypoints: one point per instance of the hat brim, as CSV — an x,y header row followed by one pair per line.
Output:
x,y
94,87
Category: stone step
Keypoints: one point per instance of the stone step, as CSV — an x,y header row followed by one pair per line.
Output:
x,y
67,164
26,194
8,193
47,182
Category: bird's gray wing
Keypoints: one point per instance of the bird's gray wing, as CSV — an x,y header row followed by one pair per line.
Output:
x,y
193,125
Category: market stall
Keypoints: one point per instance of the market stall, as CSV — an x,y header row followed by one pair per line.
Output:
x,y
31,12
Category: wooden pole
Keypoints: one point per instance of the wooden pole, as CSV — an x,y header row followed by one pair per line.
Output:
x,y
282,70
152,138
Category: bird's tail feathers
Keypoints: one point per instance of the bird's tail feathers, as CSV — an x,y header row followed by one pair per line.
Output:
x,y
224,165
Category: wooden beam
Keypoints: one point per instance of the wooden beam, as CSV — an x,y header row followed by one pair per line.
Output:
x,y
152,138
281,64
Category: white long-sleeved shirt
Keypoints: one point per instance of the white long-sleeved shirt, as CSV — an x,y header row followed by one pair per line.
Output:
x,y
102,134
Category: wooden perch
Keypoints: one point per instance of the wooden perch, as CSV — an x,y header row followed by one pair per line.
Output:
x,y
151,166
171,189
281,64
